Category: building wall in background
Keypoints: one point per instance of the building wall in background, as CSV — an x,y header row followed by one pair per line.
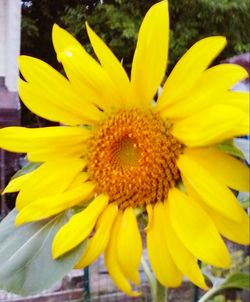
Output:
x,y
2,36
10,28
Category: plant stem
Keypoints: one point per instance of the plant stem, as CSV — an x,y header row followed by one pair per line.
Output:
x,y
150,277
161,293
158,291
208,295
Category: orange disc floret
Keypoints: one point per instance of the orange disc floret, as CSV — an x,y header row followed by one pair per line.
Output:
x,y
132,158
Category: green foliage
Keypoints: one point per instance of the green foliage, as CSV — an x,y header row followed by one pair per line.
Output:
x,y
230,148
221,298
237,280
192,20
117,22
244,199
237,277
26,263
38,17
239,264
245,203
29,32
29,167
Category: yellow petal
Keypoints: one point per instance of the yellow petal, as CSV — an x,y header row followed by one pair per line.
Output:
x,y
150,215
63,43
56,140
87,77
211,89
79,179
44,105
213,193
129,246
51,96
197,102
162,263
49,179
151,54
111,65
17,183
51,153
97,244
212,125
112,264
79,227
62,39
46,207
196,230
228,170
235,231
189,69
183,259
237,99
221,77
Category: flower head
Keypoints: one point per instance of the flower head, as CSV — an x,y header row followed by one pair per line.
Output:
x,y
119,151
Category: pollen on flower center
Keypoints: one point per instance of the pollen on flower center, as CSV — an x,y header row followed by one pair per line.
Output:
x,y
132,158
127,152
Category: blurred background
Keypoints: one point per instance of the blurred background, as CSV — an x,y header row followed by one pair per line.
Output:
x,y
117,22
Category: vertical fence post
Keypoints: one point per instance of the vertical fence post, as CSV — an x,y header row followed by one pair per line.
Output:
x,y
2,183
86,285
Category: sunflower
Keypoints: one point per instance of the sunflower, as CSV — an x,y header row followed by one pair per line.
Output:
x,y
119,150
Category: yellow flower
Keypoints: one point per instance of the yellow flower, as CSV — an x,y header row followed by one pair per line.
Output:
x,y
121,151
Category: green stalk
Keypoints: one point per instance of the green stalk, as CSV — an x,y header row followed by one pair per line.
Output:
x,y
150,277
208,295
161,293
158,291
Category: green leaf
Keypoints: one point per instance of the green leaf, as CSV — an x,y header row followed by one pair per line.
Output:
x,y
244,199
237,280
230,148
26,169
245,203
27,266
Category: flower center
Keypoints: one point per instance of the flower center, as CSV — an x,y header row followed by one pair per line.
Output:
x,y
132,158
127,152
